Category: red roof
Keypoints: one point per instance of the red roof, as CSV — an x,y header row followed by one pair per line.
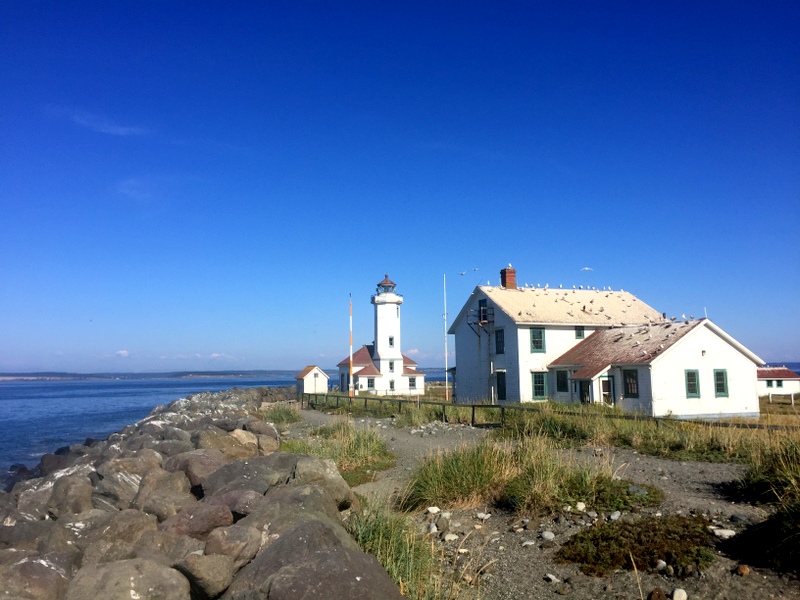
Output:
x,y
387,281
361,357
776,373
622,346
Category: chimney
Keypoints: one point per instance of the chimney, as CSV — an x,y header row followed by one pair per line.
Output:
x,y
508,278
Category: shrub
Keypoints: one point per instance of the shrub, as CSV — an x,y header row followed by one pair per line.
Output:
x,y
682,542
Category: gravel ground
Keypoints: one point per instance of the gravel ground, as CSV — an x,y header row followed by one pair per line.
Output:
x,y
509,558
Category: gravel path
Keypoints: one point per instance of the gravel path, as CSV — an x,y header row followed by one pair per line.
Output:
x,y
510,560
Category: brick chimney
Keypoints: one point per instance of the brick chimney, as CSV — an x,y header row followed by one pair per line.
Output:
x,y
508,278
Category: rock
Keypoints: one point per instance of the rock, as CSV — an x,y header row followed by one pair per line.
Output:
x,y
197,465
241,502
450,537
657,594
115,541
209,575
679,594
332,572
661,565
528,543
311,470
163,494
550,578
219,439
433,510
614,516
239,542
724,534
117,490
71,494
548,536
198,520
742,570
33,578
138,578
580,506
166,548
258,474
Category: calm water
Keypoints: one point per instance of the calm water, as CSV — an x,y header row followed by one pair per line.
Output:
x,y
37,417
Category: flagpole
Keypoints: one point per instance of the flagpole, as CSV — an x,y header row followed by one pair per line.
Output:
x,y
446,385
351,387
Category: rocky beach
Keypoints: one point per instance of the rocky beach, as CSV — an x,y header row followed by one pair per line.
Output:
x,y
198,501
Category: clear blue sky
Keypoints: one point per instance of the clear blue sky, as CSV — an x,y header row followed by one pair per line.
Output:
x,y
202,185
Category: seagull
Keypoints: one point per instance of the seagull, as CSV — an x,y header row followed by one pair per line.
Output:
x,y
586,269
463,273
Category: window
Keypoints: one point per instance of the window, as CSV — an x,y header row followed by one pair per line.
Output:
x,y
391,384
499,342
779,383
769,382
630,381
539,381
537,339
370,383
720,383
412,383
482,311
391,341
579,332
391,366
692,384
562,381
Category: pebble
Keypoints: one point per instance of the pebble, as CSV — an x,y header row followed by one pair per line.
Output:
x,y
528,543
724,534
432,528
661,565
450,537
580,506
679,594
481,516
548,536
550,578
614,516
434,510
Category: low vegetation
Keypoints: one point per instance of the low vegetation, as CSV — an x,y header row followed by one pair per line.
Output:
x,y
358,454
282,414
683,543
525,476
406,553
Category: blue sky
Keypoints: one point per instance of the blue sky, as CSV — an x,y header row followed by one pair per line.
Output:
x,y
192,186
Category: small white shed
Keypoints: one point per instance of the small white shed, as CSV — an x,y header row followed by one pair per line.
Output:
x,y
778,381
312,380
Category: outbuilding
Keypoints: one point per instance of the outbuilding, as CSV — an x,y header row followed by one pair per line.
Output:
x,y
312,380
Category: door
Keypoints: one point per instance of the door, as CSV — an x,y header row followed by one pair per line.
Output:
x,y
585,389
608,390
501,385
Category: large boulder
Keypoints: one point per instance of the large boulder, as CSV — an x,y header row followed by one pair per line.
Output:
x,y
166,548
116,540
209,575
137,578
240,542
71,495
198,520
196,464
219,439
163,494
34,578
311,562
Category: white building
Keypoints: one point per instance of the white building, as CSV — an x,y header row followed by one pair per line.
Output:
x,y
778,381
380,367
311,380
589,345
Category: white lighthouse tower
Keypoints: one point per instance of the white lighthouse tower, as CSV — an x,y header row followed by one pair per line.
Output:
x,y
381,368
387,356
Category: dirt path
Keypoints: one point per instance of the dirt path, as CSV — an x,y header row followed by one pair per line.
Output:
x,y
519,562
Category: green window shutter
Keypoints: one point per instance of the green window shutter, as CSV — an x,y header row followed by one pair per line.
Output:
x,y
692,384
537,339
720,383
539,382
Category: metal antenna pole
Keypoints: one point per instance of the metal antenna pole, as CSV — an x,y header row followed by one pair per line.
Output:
x,y
446,385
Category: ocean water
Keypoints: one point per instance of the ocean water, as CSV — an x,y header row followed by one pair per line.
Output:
x,y
40,416
37,417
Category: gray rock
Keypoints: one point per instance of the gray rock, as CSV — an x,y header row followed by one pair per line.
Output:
x,y
258,474
115,541
138,578
166,548
196,464
239,542
71,495
241,502
163,494
311,470
116,491
679,594
548,536
614,516
219,439
198,520
34,578
208,575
